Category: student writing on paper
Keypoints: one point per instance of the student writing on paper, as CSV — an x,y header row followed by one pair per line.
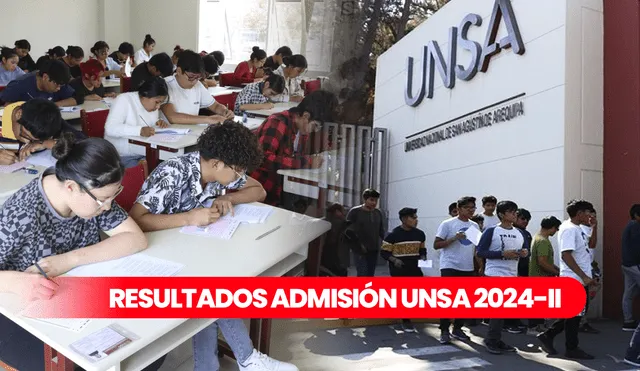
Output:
x,y
133,114
275,61
159,65
210,69
187,95
9,69
101,52
74,57
145,53
34,124
26,63
402,248
89,86
56,53
245,72
173,196
124,55
292,69
50,82
283,138
256,96
56,220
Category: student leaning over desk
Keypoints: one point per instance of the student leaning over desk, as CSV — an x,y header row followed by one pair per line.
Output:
x,y
175,195
56,220
50,82
9,69
291,71
256,96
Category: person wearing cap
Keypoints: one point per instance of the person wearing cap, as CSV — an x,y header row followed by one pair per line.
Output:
x,y
89,86
49,83
284,136
402,248
187,95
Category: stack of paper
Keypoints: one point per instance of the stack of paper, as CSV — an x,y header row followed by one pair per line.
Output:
x,y
245,213
222,229
173,131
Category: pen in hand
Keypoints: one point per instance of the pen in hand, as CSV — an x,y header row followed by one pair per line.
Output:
x,y
42,272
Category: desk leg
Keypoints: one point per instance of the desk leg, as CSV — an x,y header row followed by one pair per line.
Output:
x,y
153,158
322,201
314,256
265,335
62,364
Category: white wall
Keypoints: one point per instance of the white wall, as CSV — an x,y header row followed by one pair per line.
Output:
x,y
114,22
48,23
169,22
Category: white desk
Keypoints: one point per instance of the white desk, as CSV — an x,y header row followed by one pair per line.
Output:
x,y
219,90
273,255
11,183
88,106
252,122
279,107
111,83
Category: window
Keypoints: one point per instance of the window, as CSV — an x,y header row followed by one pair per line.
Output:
x,y
235,26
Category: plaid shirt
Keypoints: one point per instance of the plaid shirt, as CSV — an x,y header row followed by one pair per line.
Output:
x,y
251,94
276,137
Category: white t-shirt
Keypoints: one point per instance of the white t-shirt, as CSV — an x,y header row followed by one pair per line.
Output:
x,y
188,101
504,239
125,120
490,221
572,238
459,255
141,56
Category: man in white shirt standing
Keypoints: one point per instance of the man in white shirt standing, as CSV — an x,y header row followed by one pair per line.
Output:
x,y
489,205
187,95
575,263
456,257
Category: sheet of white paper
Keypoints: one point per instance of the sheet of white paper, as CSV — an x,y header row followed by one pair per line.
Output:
x,y
42,158
130,266
73,324
167,138
70,109
99,344
245,213
8,169
108,101
127,68
222,229
425,263
473,235
173,131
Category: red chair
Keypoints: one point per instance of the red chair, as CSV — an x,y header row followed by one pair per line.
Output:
x,y
227,100
227,79
125,84
132,182
93,122
311,86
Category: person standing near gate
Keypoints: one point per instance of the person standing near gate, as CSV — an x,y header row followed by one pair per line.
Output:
x,y
402,248
366,230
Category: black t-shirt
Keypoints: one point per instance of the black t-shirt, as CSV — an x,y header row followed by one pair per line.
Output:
x,y
139,75
74,71
81,91
271,64
26,63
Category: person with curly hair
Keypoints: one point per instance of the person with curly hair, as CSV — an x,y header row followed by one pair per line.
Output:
x,y
176,195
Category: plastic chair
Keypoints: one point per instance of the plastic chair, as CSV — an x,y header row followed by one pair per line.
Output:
x,y
93,122
311,86
227,100
132,182
227,79
125,84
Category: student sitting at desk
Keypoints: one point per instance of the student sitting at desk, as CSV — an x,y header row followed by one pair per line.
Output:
x,y
101,52
74,57
56,220
283,138
144,54
219,56
256,96
246,71
211,68
293,67
275,61
159,65
49,82
173,196
9,69
26,63
89,86
53,54
123,55
133,114
34,123
187,95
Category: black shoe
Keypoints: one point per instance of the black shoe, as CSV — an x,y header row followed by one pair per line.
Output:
x,y
547,344
485,322
588,329
505,347
629,326
578,354
515,330
407,326
493,347
457,333
633,361
445,337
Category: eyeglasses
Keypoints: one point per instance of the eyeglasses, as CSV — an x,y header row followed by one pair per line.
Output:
x,y
193,76
101,203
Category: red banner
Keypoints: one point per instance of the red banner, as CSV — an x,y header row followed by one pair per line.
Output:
x,y
235,297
